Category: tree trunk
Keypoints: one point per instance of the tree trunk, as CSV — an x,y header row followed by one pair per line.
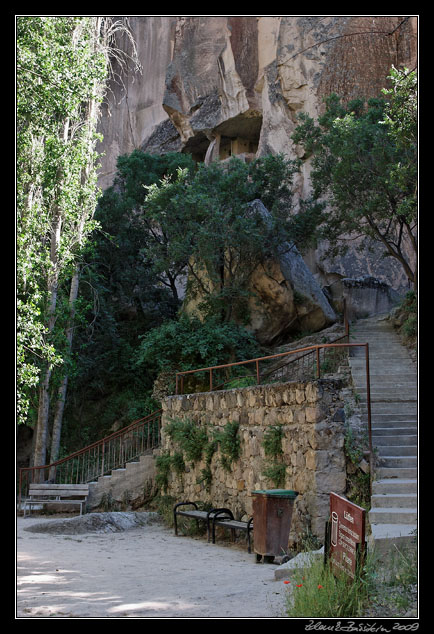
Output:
x,y
41,433
61,394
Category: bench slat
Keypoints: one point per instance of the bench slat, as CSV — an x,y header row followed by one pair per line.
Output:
x,y
69,487
233,524
198,514
58,492
51,501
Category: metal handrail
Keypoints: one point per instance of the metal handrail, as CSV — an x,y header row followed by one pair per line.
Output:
x,y
100,457
309,349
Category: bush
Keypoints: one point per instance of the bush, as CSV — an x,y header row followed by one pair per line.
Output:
x,y
189,343
407,319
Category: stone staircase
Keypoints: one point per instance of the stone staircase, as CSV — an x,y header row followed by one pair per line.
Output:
x,y
123,483
393,381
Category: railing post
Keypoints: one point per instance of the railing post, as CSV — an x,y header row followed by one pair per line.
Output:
x,y
368,404
102,458
346,322
20,484
176,388
318,367
258,378
210,380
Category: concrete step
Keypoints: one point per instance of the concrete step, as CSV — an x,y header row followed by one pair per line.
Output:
x,y
385,536
391,420
384,397
396,366
376,358
401,473
394,439
408,409
359,380
389,388
395,391
394,485
384,422
385,515
387,350
405,410
394,388
396,450
401,462
393,431
394,500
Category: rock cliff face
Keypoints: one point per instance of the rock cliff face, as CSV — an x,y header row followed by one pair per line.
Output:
x,y
223,85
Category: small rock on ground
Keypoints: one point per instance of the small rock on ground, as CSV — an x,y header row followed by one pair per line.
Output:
x,y
94,523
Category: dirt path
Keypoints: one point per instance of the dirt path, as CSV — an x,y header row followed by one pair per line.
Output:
x,y
143,572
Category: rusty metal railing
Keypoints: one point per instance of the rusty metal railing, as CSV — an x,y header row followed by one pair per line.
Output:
x,y
313,351
301,364
99,458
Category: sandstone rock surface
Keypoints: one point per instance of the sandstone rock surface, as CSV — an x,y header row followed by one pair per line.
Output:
x,y
238,83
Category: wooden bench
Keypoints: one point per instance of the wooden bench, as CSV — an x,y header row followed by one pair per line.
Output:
x,y
56,494
195,513
214,517
221,519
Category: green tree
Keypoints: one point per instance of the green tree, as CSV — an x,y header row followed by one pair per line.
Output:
x,y
147,244
365,174
213,230
125,298
401,119
62,68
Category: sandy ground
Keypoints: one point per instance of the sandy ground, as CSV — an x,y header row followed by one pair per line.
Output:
x,y
142,572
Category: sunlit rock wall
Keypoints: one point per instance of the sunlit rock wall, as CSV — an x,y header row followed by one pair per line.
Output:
x,y
238,82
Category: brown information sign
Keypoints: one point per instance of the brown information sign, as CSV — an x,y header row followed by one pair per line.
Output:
x,y
346,534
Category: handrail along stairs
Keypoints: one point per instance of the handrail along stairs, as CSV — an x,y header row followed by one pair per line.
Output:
x,y
128,443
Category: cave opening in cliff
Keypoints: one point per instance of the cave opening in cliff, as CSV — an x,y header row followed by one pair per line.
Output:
x,y
238,136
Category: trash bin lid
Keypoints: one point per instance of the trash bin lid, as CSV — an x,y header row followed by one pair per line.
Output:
x,y
280,493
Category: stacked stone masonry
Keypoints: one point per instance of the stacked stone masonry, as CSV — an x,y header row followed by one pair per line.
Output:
x,y
312,443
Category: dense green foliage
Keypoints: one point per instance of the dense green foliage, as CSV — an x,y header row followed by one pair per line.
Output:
x,y
188,343
364,159
194,442
125,299
58,72
159,212
212,230
63,63
275,468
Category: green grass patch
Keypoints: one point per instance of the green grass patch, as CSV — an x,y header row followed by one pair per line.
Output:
x,y
316,592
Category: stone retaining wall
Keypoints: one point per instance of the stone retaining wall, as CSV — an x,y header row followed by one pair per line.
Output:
x,y
312,443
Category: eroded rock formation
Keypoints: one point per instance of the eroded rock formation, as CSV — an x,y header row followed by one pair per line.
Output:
x,y
222,85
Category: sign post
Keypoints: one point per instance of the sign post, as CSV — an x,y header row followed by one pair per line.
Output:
x,y
345,536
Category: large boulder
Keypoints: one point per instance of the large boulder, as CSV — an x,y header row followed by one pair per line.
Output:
x,y
364,296
285,297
